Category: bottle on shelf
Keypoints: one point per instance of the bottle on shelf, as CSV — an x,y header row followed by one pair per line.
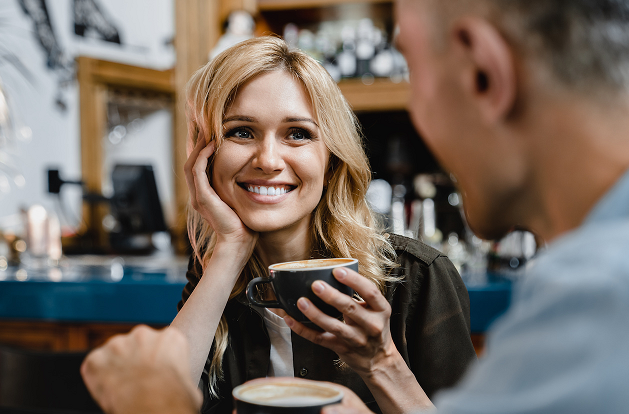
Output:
x,y
350,49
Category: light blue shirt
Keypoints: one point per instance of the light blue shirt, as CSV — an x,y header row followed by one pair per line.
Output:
x,y
563,346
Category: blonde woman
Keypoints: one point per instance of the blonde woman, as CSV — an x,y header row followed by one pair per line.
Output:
x,y
276,173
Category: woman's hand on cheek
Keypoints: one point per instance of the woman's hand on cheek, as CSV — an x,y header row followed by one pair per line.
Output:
x,y
223,220
363,341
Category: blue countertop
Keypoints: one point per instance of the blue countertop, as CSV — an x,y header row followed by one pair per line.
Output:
x,y
489,298
147,290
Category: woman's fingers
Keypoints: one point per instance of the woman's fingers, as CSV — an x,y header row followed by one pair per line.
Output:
x,y
363,340
204,199
365,332
202,196
188,170
201,181
364,323
366,289
371,315
320,338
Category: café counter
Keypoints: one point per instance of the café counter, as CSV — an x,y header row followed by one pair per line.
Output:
x,y
82,301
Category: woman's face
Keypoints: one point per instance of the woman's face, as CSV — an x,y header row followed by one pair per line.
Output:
x,y
271,166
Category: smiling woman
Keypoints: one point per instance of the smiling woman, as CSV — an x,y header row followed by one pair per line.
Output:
x,y
276,173
271,165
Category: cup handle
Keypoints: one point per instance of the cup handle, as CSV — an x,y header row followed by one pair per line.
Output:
x,y
251,294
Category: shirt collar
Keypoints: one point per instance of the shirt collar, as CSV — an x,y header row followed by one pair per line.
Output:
x,y
613,205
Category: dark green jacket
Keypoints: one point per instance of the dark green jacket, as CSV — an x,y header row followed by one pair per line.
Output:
x,y
430,325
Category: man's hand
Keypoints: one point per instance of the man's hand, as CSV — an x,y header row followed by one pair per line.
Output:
x,y
144,371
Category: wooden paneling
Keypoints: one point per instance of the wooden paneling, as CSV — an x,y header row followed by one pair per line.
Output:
x,y
121,75
93,115
56,336
197,25
382,95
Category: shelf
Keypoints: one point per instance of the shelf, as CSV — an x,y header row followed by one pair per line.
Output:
x,y
275,14
382,95
264,5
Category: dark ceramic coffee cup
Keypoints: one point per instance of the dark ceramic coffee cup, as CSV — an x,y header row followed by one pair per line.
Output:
x,y
293,280
284,396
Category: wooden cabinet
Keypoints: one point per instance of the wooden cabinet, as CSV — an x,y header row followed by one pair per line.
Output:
x,y
59,336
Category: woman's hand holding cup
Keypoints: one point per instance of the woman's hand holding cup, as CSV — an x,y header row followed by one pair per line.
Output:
x,y
224,221
363,341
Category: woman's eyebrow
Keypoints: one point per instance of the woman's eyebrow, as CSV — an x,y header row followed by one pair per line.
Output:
x,y
239,118
287,120
243,118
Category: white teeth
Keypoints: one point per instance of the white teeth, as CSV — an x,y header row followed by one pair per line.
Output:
x,y
271,191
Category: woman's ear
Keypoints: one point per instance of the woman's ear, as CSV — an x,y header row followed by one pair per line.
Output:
x,y
490,73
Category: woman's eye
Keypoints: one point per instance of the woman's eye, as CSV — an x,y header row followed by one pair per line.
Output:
x,y
299,135
239,133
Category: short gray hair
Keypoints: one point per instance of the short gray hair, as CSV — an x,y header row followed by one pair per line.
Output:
x,y
584,42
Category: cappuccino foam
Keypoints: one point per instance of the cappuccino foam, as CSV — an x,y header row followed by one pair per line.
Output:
x,y
312,263
287,395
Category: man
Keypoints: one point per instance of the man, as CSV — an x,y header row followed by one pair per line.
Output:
x,y
526,103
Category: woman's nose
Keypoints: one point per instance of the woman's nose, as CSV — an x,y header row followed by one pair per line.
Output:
x,y
268,157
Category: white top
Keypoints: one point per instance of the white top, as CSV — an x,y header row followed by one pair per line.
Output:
x,y
281,362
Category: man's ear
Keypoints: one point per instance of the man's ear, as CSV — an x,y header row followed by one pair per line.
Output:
x,y
490,75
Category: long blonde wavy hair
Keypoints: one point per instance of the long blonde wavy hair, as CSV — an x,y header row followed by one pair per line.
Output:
x,y
343,225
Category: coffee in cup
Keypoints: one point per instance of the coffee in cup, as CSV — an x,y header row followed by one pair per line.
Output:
x,y
293,280
284,395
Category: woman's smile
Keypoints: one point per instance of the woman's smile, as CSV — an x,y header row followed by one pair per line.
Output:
x,y
266,193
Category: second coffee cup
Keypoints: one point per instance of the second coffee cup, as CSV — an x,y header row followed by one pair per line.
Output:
x,y
293,280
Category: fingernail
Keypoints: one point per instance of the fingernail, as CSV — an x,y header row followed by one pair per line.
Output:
x,y
340,272
317,287
303,304
289,321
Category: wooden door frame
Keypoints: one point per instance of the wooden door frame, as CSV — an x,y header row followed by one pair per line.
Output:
x,y
96,77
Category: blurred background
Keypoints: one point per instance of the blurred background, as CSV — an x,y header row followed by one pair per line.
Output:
x,y
92,147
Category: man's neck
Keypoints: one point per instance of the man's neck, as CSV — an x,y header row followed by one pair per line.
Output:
x,y
579,151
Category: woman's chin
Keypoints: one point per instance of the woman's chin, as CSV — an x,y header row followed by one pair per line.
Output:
x,y
270,224
264,227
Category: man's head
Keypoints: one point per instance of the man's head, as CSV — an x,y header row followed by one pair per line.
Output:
x,y
583,42
486,76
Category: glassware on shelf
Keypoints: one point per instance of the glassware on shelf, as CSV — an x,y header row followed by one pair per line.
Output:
x,y
240,27
511,253
350,49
